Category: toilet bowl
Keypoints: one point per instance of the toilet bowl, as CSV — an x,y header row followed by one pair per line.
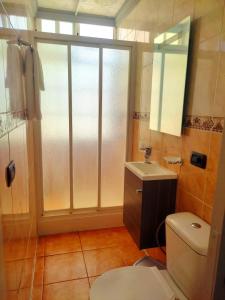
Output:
x,y
187,238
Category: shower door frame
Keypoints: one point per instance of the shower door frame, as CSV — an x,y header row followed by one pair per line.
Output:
x,y
65,219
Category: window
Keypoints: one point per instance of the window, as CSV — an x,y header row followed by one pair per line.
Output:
x,y
48,26
125,34
18,22
65,27
105,32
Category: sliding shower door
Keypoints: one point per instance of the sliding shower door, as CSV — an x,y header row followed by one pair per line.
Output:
x,y
55,127
115,64
85,119
84,125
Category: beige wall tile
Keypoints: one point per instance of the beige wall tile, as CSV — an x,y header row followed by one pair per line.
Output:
x,y
207,214
210,25
204,7
187,202
171,145
182,9
156,140
165,14
137,155
204,70
212,167
194,140
218,108
192,180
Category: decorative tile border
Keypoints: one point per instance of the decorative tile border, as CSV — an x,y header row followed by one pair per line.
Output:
x,y
198,122
141,115
204,123
9,121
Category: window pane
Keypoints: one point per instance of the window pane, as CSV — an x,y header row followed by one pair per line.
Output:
x,y
65,28
48,26
55,126
18,22
97,31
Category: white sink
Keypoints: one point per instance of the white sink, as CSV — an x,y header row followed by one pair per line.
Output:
x,y
150,171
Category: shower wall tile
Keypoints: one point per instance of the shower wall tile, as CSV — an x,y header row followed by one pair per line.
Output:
x,y
218,108
17,216
182,9
204,116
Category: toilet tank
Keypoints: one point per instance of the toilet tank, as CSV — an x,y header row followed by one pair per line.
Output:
x,y
187,239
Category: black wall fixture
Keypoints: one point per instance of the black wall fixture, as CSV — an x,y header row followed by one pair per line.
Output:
x,y
198,160
10,173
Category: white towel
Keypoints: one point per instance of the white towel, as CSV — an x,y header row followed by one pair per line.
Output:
x,y
34,82
14,78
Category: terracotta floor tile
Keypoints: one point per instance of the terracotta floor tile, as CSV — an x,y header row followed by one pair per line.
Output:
x,y
39,271
62,243
130,254
37,293
24,294
64,267
104,238
12,295
92,280
157,254
41,246
101,260
67,290
26,279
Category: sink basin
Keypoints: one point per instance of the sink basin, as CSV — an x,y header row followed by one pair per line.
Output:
x,y
150,171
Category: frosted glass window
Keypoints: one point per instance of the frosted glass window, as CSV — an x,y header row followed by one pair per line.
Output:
x,y
55,126
18,22
114,125
48,26
97,31
3,107
4,52
85,88
65,28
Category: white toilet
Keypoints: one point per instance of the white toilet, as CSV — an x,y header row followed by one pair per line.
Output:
x,y
187,238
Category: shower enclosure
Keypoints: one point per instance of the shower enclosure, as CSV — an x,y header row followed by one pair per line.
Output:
x,y
83,133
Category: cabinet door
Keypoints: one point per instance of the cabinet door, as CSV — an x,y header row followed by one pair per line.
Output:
x,y
133,204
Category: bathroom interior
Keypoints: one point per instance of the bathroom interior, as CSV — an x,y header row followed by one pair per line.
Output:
x,y
112,153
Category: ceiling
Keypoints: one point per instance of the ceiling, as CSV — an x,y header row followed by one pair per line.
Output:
x,y
107,8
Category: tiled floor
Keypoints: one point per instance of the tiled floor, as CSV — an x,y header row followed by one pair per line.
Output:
x,y
67,264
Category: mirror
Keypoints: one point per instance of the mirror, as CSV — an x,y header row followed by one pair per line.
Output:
x,y
169,77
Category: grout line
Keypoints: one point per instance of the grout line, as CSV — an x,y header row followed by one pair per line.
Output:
x,y
73,279
62,253
94,249
83,258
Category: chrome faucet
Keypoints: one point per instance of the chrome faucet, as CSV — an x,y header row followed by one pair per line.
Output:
x,y
148,152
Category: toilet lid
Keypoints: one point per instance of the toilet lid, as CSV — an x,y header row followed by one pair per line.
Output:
x,y
131,283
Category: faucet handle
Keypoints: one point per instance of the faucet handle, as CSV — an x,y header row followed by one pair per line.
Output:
x,y
148,151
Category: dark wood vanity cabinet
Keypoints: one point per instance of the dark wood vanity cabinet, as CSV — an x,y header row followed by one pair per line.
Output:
x,y
146,205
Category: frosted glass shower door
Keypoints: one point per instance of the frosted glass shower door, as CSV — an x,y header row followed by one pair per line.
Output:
x,y
85,119
55,127
115,76
83,131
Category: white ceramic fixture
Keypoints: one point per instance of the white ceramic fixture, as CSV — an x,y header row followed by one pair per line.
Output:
x,y
187,238
150,171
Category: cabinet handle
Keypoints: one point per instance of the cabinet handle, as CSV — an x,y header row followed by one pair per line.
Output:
x,y
139,191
